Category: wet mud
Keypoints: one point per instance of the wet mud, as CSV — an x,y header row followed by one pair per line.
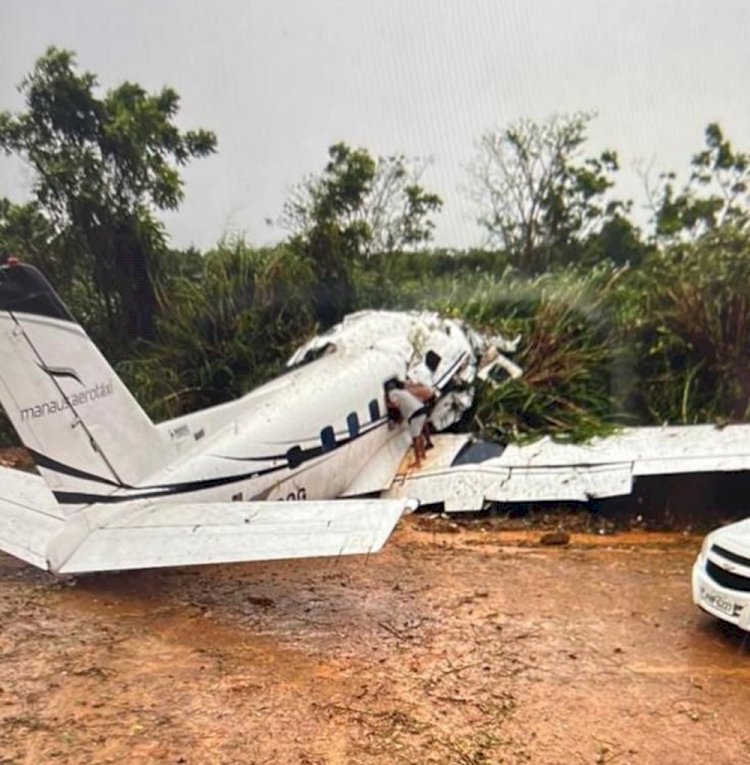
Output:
x,y
457,644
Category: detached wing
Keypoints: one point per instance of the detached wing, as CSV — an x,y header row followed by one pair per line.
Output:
x,y
549,471
148,535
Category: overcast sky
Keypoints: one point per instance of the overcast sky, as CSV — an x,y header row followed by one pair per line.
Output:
x,y
280,81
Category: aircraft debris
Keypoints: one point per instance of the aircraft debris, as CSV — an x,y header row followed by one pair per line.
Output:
x,y
288,469
548,471
443,353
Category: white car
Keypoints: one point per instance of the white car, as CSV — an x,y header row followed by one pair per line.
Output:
x,y
721,574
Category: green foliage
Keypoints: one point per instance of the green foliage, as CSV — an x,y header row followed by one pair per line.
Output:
x,y
7,434
377,204
688,313
618,242
569,353
224,331
537,197
24,229
716,195
358,207
102,166
613,329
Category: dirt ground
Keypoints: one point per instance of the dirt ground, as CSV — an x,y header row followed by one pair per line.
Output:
x,y
457,644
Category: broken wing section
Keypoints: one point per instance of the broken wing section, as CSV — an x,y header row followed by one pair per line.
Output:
x,y
148,535
29,516
548,471
467,488
448,479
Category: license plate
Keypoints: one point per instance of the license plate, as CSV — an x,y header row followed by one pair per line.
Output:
x,y
716,601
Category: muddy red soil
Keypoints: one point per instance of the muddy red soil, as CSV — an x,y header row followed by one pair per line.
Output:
x,y
456,644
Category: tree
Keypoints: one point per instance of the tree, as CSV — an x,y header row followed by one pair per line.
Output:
x,y
103,166
717,193
357,208
537,197
377,204
617,241
25,229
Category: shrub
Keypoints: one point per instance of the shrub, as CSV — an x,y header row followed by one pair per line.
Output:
x,y
689,316
570,355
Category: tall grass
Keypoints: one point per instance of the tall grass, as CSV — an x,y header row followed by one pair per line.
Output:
x,y
569,352
225,331
688,315
668,341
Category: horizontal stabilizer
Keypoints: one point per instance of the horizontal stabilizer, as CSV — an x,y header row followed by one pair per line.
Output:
x,y
148,535
29,516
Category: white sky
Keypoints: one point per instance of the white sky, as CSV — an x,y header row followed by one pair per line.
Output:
x,y
280,81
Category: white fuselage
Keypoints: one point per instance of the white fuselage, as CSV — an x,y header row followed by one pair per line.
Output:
x,y
305,435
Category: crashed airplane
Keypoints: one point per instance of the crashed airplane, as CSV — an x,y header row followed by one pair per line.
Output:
x,y
288,470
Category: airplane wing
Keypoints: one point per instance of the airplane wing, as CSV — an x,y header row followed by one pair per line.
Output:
x,y
550,471
146,534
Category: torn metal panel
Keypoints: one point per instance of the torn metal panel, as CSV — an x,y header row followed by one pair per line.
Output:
x,y
450,356
468,487
445,354
380,468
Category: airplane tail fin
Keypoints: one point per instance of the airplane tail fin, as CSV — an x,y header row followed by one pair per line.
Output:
x,y
86,432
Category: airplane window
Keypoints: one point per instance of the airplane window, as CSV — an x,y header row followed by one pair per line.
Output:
x,y
374,410
294,457
352,422
328,438
432,360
